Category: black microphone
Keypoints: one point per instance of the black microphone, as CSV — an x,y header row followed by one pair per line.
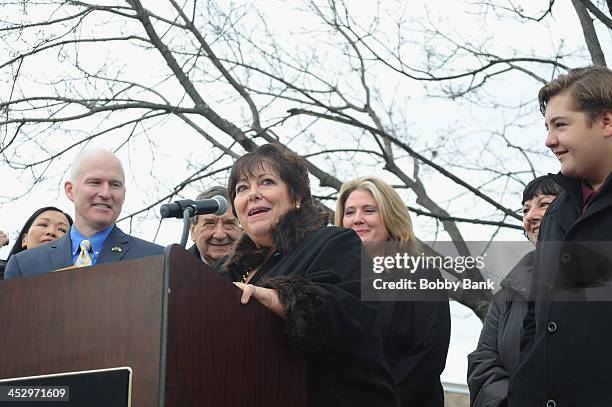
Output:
x,y
216,205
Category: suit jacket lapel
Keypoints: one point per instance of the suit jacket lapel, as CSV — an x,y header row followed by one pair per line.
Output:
x,y
115,246
60,254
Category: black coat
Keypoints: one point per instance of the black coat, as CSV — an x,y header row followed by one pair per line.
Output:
x,y
194,250
415,326
316,271
416,335
497,354
566,357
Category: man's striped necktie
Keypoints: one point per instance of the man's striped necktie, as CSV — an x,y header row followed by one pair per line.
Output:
x,y
84,258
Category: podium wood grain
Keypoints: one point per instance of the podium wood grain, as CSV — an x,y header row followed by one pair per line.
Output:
x,y
178,325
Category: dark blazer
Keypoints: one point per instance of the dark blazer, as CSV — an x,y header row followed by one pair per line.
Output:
x,y
316,271
57,254
497,354
566,355
194,250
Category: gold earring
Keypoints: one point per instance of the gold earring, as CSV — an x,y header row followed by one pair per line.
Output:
x,y
297,205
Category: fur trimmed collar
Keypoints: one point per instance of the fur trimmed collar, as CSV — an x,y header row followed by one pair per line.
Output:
x,y
291,230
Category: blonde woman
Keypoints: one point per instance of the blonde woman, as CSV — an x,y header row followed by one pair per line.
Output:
x,y
415,333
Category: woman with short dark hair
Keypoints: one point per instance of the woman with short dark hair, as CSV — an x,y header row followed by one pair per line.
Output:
x,y
496,356
309,275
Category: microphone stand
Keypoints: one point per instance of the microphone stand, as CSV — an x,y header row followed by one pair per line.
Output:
x,y
186,217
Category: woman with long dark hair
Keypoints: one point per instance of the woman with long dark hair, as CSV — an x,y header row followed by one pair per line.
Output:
x,y
43,226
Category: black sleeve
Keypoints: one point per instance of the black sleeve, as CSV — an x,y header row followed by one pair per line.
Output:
x,y
528,329
336,272
305,325
487,377
324,308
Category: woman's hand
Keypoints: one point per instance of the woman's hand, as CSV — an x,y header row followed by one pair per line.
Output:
x,y
266,296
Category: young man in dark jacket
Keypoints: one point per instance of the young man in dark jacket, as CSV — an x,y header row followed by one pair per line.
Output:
x,y
566,346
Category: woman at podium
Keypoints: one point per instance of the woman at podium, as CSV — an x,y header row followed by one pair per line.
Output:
x,y
309,275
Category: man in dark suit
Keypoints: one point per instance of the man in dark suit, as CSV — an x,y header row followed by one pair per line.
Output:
x,y
97,189
213,235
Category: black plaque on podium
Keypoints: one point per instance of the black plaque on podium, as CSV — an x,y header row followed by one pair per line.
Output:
x,y
92,388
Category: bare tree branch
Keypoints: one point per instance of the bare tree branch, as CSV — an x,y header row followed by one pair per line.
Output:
x,y
441,170
590,36
607,21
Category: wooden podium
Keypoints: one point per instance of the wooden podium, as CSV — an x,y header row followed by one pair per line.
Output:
x,y
178,325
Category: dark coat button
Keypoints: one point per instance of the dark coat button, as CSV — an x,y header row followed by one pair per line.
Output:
x,y
551,403
566,258
552,328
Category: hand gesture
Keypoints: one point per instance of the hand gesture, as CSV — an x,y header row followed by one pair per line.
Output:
x,y
266,296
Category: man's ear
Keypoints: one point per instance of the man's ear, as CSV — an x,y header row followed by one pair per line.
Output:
x,y
606,121
68,190
192,231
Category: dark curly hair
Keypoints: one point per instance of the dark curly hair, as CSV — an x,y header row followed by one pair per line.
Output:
x,y
290,167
